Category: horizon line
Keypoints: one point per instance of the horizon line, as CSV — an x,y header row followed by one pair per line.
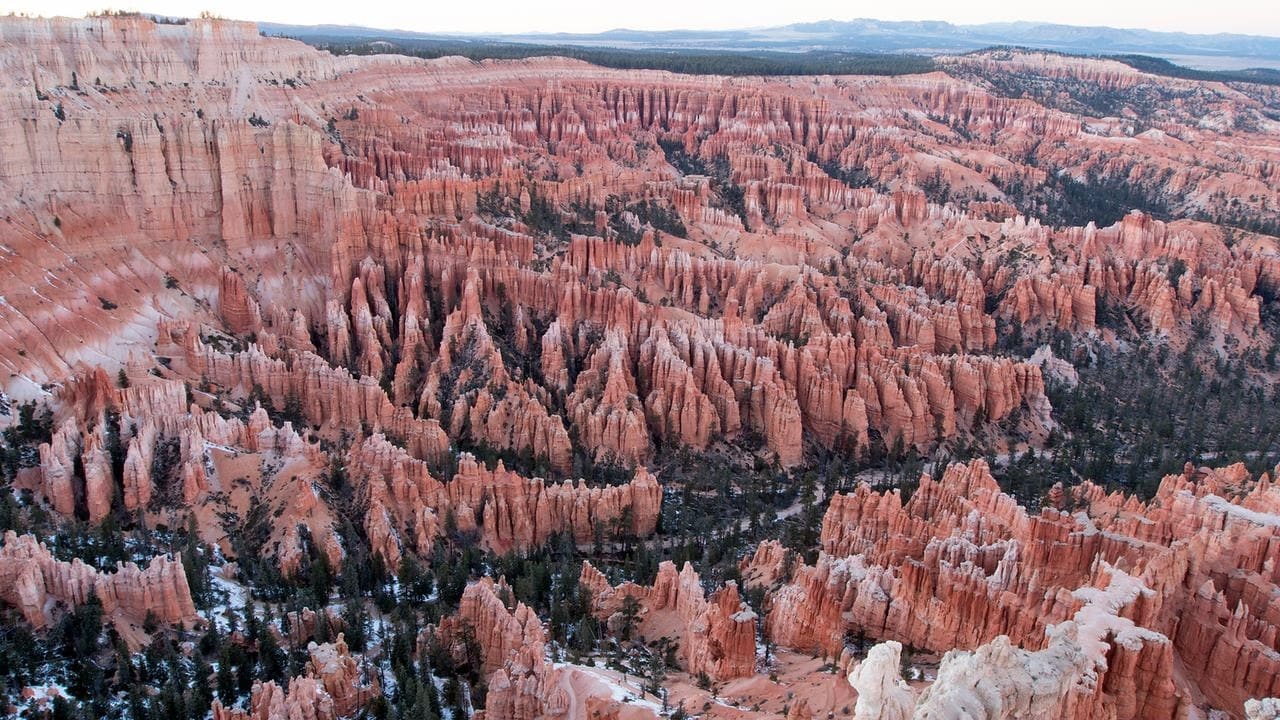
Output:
x,y
622,28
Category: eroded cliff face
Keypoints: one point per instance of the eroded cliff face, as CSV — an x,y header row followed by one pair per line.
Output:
x,y
37,584
716,636
960,565
480,299
183,456
352,223
407,507
522,683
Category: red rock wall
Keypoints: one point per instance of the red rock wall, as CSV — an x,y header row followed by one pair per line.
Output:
x,y
960,564
786,328
30,578
717,634
408,507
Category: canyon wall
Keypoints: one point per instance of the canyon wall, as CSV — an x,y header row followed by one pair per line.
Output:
x,y
35,582
780,325
483,298
716,636
1129,590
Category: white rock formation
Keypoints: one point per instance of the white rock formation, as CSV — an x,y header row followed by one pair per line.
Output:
x,y
882,695
1263,709
998,680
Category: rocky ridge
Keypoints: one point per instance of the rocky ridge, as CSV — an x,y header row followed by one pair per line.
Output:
x,y
34,581
961,566
244,274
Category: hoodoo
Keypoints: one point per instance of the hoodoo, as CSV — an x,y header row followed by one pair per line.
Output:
x,y
343,383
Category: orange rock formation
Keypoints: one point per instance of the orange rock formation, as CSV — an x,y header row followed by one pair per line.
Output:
x,y
522,684
716,636
313,266
960,565
408,507
331,688
33,580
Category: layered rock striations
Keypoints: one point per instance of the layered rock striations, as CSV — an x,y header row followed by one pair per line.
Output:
x,y
346,221
522,683
36,583
716,636
408,507
960,565
309,269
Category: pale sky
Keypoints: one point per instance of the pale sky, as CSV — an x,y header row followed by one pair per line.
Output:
x,y
1257,17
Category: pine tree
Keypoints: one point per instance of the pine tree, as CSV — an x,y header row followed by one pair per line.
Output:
x,y
272,661
195,561
355,618
226,681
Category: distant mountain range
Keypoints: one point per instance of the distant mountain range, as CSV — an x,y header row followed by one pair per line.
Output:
x,y
1213,52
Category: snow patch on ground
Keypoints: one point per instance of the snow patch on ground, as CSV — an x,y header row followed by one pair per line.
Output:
x,y
41,699
1100,616
618,689
235,594
1252,516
